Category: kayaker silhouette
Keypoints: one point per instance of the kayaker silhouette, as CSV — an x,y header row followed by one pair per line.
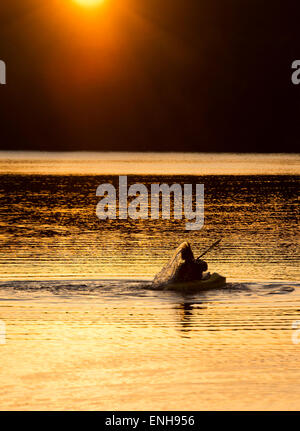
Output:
x,y
183,272
192,269
182,267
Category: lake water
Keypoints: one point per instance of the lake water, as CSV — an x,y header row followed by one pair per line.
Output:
x,y
82,328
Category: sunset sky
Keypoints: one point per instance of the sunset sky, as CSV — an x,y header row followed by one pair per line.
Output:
x,y
142,75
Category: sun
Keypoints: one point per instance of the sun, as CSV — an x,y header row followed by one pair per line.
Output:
x,y
89,3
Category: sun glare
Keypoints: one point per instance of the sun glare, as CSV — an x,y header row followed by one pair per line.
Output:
x,y
89,2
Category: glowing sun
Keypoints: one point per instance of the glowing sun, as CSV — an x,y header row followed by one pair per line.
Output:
x,y
89,2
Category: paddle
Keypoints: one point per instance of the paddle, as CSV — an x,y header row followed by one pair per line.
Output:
x,y
209,248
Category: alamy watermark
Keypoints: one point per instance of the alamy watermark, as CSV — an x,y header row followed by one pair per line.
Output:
x,y
2,72
2,332
296,332
296,74
146,204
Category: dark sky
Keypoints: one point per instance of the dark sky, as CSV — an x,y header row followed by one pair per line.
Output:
x,y
142,75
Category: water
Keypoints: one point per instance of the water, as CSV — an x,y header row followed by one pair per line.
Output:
x,y
83,329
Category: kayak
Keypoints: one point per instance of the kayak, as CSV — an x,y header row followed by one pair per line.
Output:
x,y
215,281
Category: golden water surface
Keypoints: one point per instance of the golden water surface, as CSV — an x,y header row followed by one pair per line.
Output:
x,y
79,326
